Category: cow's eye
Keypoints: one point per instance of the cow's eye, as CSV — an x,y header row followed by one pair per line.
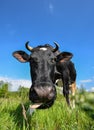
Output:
x,y
35,60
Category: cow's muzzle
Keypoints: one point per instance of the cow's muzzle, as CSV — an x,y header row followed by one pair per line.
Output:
x,y
43,93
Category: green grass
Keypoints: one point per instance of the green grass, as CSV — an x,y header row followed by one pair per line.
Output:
x,y
58,117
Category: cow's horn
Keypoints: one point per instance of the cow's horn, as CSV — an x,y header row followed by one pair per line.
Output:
x,y
56,48
28,47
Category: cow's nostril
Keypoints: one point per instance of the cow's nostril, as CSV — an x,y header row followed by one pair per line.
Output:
x,y
50,96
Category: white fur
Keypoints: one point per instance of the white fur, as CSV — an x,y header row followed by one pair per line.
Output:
x,y
43,48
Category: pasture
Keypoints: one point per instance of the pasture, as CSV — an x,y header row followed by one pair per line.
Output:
x,y
58,117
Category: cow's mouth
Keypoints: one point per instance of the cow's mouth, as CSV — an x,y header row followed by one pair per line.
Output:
x,y
42,94
46,105
42,105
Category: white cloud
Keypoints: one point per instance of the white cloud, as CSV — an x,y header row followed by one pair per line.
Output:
x,y
15,83
86,81
51,8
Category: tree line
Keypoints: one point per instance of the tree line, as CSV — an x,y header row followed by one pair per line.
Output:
x,y
5,93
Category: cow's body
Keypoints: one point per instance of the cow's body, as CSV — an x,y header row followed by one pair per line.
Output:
x,y
67,73
46,66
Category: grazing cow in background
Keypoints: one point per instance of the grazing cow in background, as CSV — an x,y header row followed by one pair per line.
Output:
x,y
47,64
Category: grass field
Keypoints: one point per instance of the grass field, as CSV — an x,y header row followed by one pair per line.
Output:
x,y
58,117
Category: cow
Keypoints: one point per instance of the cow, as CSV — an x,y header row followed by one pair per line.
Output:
x,y
47,64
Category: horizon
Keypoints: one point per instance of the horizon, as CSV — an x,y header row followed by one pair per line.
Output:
x,y
14,84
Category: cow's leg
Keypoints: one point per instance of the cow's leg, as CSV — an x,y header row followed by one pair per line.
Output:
x,y
73,89
66,94
65,80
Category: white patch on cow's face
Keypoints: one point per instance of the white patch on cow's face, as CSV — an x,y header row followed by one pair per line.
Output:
x,y
43,49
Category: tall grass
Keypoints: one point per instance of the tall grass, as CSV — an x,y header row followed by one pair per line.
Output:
x,y
58,117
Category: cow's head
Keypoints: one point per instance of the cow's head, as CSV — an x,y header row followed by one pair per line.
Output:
x,y
42,69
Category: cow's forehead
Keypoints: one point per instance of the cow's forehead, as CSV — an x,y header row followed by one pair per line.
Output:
x,y
42,52
43,47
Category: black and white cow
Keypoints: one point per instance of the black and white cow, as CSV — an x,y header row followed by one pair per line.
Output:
x,y
47,65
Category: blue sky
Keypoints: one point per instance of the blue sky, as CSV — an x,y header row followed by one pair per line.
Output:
x,y
68,22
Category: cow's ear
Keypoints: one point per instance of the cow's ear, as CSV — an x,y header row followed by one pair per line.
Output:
x,y
21,56
64,56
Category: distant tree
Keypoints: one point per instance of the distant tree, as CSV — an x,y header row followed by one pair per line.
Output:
x,y
4,90
1,83
23,92
82,89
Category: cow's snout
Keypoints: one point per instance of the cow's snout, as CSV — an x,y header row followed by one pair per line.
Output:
x,y
42,93
45,93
